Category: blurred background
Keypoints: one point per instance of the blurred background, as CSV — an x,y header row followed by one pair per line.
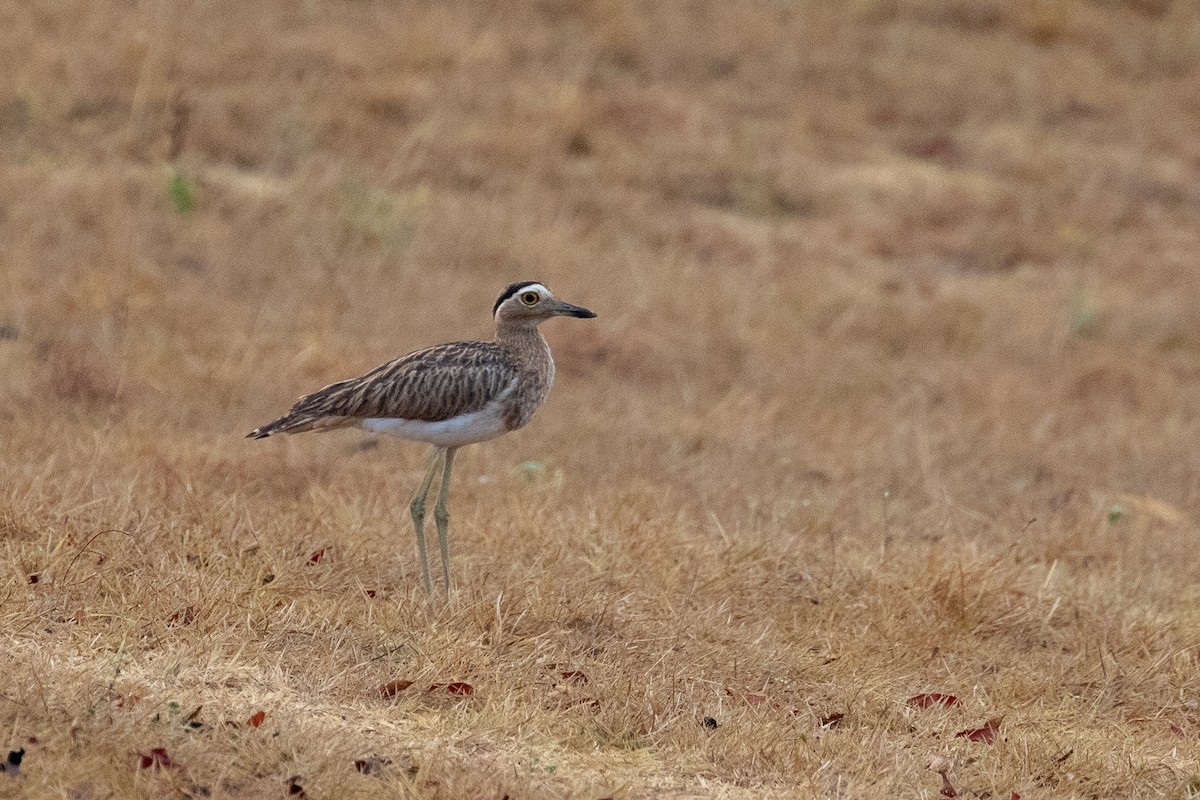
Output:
x,y
844,242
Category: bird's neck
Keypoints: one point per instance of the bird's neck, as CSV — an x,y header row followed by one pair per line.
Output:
x,y
522,336
526,343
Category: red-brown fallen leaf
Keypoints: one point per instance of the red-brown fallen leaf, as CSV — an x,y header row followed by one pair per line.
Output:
x,y
457,688
930,699
393,688
1015,796
184,617
1178,731
256,718
574,676
126,700
985,734
832,720
316,557
157,758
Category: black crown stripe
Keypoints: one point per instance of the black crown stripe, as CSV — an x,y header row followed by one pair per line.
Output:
x,y
509,291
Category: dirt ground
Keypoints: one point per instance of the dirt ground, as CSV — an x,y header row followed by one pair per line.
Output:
x,y
876,476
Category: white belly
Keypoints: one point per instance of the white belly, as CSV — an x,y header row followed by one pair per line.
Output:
x,y
478,426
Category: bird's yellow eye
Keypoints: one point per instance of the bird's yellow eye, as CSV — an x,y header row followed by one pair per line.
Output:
x,y
530,298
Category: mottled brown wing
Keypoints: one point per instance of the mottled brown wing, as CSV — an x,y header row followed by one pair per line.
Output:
x,y
429,385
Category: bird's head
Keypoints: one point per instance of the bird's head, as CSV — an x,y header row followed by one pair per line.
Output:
x,y
530,302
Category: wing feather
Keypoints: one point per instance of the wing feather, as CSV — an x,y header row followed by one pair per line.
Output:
x,y
429,385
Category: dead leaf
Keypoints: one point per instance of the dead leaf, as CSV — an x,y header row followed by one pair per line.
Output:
x,y
371,766
590,702
126,700
942,766
316,557
156,758
832,720
393,688
930,699
12,766
1178,731
256,718
184,616
985,734
457,688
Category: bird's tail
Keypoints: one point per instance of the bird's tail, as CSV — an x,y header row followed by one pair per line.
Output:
x,y
297,421
271,428
312,412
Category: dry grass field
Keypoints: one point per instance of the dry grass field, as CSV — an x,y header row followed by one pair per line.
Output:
x,y
894,394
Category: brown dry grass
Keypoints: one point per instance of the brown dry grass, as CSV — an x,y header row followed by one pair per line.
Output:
x,y
894,390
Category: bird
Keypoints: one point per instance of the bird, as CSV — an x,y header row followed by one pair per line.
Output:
x,y
450,395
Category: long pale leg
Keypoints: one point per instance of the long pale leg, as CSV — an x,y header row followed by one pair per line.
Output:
x,y
418,514
441,515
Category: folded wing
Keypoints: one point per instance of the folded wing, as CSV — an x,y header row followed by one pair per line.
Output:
x,y
430,385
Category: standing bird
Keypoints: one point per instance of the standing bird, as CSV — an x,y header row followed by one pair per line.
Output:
x,y
448,396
